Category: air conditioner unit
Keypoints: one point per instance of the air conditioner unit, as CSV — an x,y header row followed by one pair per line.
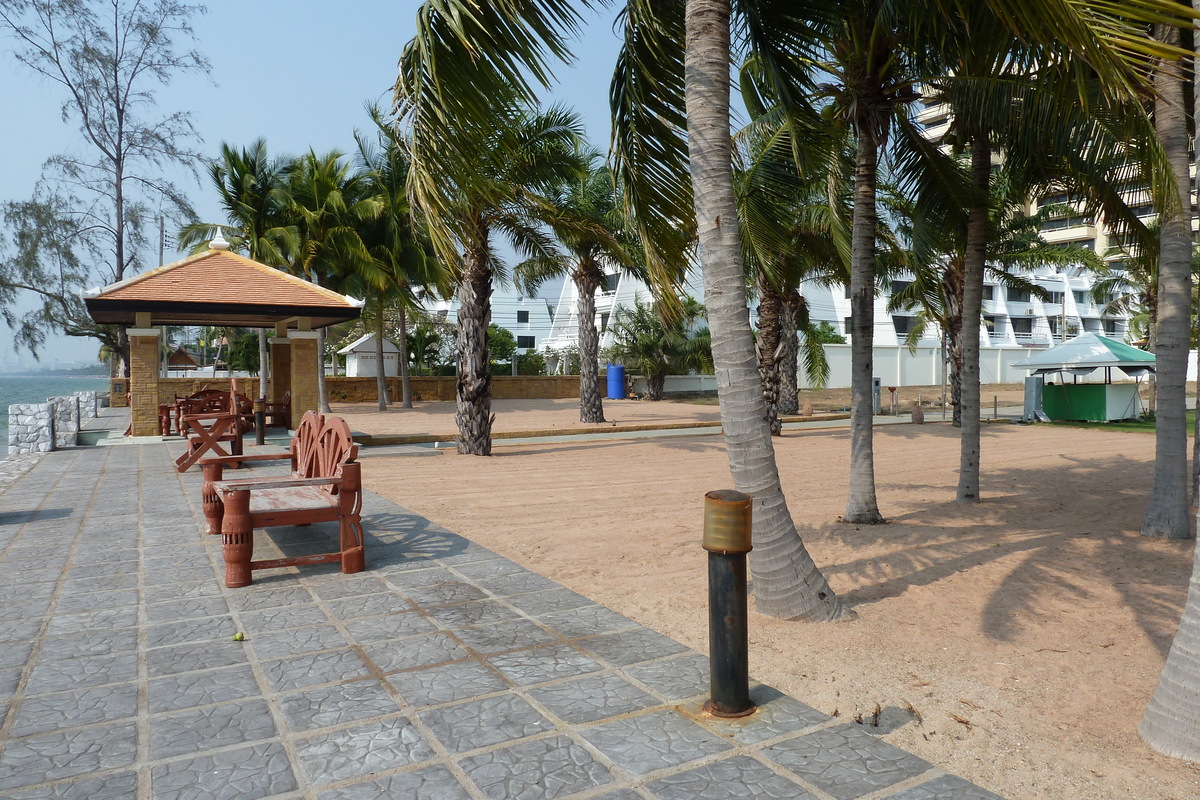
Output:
x,y
1029,312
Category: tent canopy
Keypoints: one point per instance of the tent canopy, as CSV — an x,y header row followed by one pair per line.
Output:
x,y
1087,352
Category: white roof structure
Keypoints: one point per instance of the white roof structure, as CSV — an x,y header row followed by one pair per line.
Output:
x,y
1089,352
366,344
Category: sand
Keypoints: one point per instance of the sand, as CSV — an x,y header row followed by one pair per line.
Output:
x,y
1015,643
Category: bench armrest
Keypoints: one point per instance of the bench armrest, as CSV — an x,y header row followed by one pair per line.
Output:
x,y
251,484
240,459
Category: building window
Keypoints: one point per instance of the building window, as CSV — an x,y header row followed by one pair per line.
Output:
x,y
1022,325
989,292
898,286
989,323
1056,298
1081,297
526,341
903,324
603,322
1112,327
847,291
522,316
608,284
848,328
1016,295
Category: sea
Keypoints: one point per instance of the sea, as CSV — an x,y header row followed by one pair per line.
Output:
x,y
36,388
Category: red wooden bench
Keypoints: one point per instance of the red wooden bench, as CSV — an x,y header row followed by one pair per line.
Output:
x,y
324,485
279,415
220,419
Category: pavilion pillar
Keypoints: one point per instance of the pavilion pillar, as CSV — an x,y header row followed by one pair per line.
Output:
x,y
305,363
143,381
281,368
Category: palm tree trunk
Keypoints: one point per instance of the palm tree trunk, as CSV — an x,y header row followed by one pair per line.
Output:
x,y
473,413
587,280
1167,513
786,581
770,309
405,388
322,392
972,310
789,356
861,505
381,392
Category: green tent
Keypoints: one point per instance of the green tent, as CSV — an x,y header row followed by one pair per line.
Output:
x,y
1080,358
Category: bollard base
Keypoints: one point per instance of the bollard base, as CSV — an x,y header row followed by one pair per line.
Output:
x,y
712,709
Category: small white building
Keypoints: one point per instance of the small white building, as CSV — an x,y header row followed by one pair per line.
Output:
x,y
361,358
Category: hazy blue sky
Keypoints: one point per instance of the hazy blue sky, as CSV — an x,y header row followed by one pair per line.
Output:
x,y
295,72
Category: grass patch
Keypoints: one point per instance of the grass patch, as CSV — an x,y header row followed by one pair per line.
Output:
x,y
1131,425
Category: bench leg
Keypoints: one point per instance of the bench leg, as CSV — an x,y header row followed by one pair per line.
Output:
x,y
237,539
350,522
214,509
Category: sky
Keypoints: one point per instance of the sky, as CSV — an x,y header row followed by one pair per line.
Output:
x,y
295,72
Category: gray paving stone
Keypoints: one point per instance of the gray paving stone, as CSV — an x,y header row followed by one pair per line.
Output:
x,y
15,654
209,727
592,698
554,600
777,714
468,615
368,605
430,783
182,590
947,787
53,712
730,778
77,645
653,741
414,652
65,754
515,584
542,664
675,679
485,565
25,591
20,630
160,578
446,683
539,770
205,629
389,626
177,692
441,594
120,786
194,657
109,583
188,608
349,586
81,673
51,575
845,761
632,647
70,604
101,619
621,794
587,621
504,636
484,722
362,750
243,774
337,705
412,578
315,669
96,569
24,610
9,679
279,619
257,597
296,641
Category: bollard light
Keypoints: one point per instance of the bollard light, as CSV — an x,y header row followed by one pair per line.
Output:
x,y
260,420
727,519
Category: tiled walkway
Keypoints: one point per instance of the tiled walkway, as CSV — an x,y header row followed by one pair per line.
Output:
x,y
443,672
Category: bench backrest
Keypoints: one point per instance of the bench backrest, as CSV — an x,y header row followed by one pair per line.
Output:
x,y
322,446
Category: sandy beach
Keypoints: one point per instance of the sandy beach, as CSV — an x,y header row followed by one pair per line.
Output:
x,y
1015,642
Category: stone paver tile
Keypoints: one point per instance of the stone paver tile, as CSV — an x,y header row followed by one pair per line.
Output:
x,y
845,761
430,783
65,754
538,770
318,668
9,679
632,647
183,574
337,705
730,778
177,692
592,698
485,565
50,575
777,714
282,618
947,787
180,590
515,584
541,664
362,750
188,608
209,727
20,630
121,786
296,641
349,587
653,741
70,604
191,657
52,712
368,605
554,600
256,598
243,774
441,594
446,683
108,583
77,645
587,621
389,626
81,673
621,794
488,721
101,619
15,654
206,629
675,679
25,591
467,615
26,609
414,652
505,636
412,578
96,569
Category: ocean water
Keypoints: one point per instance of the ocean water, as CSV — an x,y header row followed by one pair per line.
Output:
x,y
35,389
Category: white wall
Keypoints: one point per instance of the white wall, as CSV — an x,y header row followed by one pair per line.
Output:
x,y
896,366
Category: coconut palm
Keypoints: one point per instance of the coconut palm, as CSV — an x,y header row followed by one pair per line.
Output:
x,y
656,345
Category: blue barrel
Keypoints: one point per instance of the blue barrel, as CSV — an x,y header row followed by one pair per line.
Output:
x,y
616,382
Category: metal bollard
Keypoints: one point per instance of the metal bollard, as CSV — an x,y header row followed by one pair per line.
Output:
x,y
260,420
727,540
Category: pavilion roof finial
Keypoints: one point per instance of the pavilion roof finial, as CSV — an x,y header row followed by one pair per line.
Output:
x,y
218,243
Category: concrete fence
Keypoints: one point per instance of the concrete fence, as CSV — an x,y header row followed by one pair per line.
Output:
x,y
42,427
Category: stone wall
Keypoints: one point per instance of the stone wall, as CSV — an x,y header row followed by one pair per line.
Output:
x,y
30,428
170,388
441,389
66,421
89,402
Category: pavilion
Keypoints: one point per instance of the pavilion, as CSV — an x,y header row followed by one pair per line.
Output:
x,y
218,287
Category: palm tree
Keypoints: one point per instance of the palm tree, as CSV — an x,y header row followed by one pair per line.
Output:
x,y
589,222
656,347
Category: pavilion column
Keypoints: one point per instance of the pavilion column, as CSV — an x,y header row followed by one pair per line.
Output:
x,y
304,372
281,368
143,381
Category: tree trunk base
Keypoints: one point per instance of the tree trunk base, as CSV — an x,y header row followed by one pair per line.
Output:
x,y
865,517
